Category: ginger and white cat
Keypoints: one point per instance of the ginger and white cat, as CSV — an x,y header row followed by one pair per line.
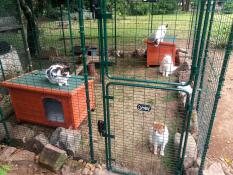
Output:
x,y
167,66
58,74
158,137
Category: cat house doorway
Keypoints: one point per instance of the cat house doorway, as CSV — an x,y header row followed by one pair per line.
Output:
x,y
53,110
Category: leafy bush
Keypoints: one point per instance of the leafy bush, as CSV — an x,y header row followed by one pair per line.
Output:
x,y
221,35
165,7
8,8
53,13
228,7
131,7
4,169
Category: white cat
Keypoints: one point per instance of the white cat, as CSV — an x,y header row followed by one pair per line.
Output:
x,y
187,88
158,137
160,34
167,66
58,74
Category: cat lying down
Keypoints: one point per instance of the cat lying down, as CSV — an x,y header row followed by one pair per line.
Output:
x,y
58,74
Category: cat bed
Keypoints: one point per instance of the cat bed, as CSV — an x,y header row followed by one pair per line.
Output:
x,y
36,100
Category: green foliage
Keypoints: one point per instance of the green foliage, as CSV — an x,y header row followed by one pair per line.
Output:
x,y
52,13
228,7
221,36
4,169
8,8
165,7
140,8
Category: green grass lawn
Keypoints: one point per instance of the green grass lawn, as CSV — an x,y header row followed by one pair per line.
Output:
x,y
131,30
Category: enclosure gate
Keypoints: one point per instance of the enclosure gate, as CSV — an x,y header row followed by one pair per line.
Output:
x,y
131,106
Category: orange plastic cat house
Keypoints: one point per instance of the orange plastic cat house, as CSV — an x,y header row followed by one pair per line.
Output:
x,y
36,100
156,54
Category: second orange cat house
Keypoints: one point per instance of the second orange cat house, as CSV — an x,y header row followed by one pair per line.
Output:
x,y
156,54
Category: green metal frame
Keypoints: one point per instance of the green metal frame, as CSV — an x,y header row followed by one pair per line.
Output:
x,y
71,35
206,53
184,128
217,96
203,28
62,27
82,36
194,53
104,71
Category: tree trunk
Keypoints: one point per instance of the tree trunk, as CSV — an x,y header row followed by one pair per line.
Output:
x,y
183,5
187,5
32,30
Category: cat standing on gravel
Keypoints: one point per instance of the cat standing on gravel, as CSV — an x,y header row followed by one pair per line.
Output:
x,y
58,74
158,137
167,66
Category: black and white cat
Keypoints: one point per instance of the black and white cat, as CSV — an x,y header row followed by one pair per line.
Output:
x,y
58,74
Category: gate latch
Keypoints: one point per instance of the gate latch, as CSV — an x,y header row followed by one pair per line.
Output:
x,y
102,129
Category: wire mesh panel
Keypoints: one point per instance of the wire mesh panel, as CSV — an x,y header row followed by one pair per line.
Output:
x,y
57,27
12,42
215,61
134,113
134,42
101,43
47,100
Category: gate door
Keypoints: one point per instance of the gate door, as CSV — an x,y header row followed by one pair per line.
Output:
x,y
131,112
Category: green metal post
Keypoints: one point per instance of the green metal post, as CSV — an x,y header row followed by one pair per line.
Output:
x,y
102,64
115,32
151,21
106,65
217,96
62,26
197,40
206,54
196,22
193,25
188,109
82,36
71,36
100,44
199,60
26,47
